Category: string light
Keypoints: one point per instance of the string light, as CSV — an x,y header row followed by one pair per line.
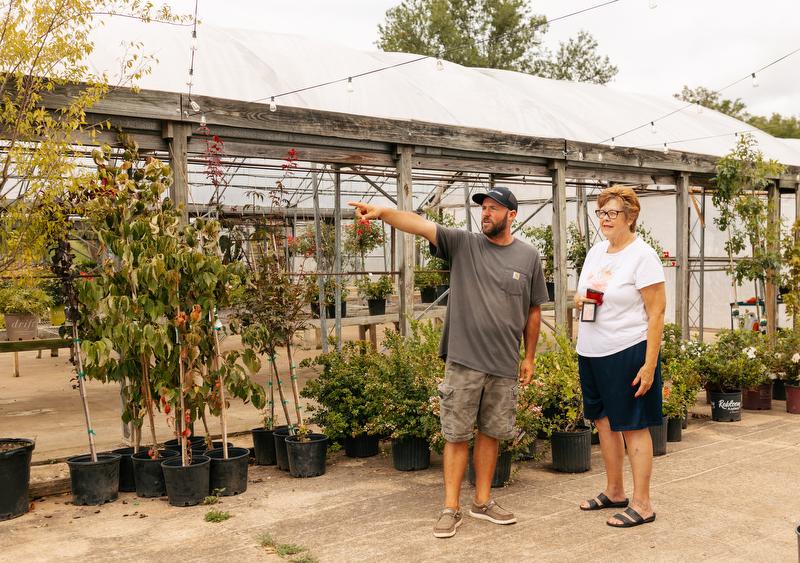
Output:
x,y
666,149
194,40
653,129
203,120
439,64
194,105
698,109
350,84
580,155
755,80
652,4
599,157
613,143
273,107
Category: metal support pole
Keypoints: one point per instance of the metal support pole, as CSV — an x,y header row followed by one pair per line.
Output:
x,y
323,325
773,245
702,263
467,213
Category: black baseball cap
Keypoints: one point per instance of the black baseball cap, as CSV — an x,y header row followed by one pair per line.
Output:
x,y
501,195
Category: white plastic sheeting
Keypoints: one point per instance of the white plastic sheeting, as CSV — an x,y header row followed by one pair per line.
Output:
x,y
251,65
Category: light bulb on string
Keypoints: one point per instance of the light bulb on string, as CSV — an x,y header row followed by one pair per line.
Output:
x,y
439,65
755,80
599,157
350,85
652,4
613,143
194,105
203,120
273,107
653,129
666,149
194,41
580,155
698,109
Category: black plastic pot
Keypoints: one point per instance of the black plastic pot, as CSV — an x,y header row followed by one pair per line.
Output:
x,y
778,390
551,290
127,484
228,476
149,475
427,294
533,448
675,429
362,445
175,444
330,310
279,435
264,446
15,476
572,451
307,458
94,482
202,448
440,289
411,454
186,486
502,470
376,306
726,407
659,437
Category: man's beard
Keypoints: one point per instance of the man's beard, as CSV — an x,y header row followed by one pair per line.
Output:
x,y
491,230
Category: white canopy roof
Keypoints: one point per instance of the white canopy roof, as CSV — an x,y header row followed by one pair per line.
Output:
x,y
249,65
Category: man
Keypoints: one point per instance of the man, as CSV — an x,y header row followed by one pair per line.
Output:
x,y
496,288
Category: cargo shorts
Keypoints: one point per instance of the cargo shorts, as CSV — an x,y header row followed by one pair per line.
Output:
x,y
467,395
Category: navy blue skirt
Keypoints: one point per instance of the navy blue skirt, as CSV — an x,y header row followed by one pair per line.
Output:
x,y
606,385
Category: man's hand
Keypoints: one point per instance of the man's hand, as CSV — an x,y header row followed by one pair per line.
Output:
x,y
526,369
365,210
644,379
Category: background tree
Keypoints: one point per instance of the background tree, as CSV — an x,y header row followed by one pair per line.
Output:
x,y
776,125
501,34
44,45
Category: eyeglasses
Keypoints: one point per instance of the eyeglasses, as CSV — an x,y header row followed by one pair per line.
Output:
x,y
611,213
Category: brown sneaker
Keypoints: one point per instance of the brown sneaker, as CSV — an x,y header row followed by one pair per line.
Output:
x,y
447,524
492,512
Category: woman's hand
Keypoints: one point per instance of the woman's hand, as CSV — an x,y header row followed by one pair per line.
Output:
x,y
644,379
580,300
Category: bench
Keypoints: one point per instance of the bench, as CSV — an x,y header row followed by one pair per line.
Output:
x,y
365,324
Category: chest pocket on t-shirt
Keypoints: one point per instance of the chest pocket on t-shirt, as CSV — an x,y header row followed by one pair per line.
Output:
x,y
514,283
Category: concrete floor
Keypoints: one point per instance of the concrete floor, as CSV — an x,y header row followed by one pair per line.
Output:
x,y
727,492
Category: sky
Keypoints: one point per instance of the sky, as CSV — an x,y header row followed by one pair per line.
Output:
x,y
709,43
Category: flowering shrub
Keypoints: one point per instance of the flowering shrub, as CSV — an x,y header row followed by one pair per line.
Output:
x,y
735,361
557,388
681,385
363,236
786,356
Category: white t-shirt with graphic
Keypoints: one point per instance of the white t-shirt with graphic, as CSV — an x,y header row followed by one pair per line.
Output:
x,y
621,320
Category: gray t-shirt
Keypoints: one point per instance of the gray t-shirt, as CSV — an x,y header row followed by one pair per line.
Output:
x,y
492,288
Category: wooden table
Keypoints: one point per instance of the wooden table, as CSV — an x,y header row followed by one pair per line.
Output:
x,y
366,323
49,340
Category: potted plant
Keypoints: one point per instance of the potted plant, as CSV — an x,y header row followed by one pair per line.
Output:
x,y
786,366
306,451
427,280
268,318
682,382
15,474
312,296
343,403
557,390
375,292
406,380
22,308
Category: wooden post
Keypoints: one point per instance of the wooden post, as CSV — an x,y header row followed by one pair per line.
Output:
x,y
337,262
682,253
467,211
773,245
796,319
177,135
558,168
405,241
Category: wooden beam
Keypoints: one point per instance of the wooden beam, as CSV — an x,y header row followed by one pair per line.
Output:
x,y
616,176
558,168
405,246
481,166
682,253
177,135
352,157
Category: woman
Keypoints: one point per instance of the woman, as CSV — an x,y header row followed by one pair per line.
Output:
x,y
618,342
